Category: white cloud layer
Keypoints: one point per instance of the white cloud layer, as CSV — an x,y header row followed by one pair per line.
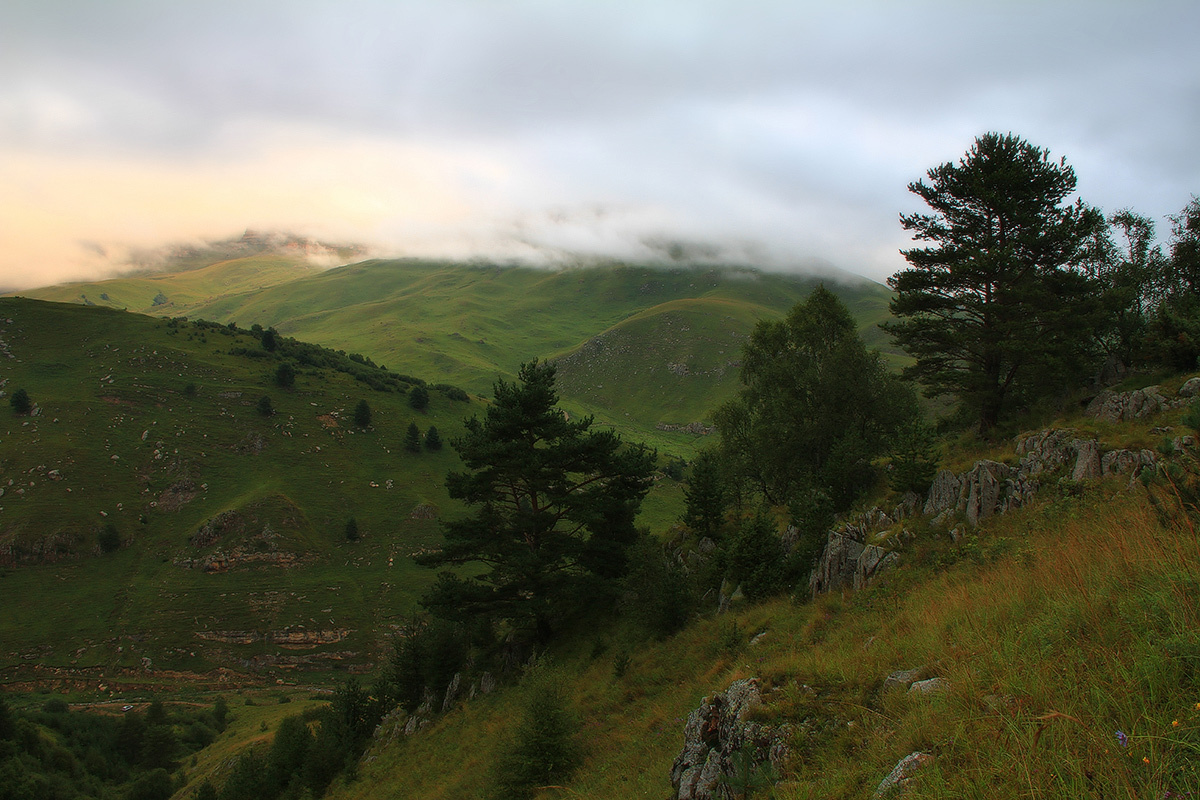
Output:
x,y
780,132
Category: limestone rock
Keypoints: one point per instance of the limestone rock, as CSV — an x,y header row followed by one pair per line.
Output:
x,y
1124,406
1191,388
979,496
1087,463
930,686
943,493
714,732
897,781
903,678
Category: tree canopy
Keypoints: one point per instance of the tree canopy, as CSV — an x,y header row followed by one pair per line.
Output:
x,y
816,406
553,506
1000,304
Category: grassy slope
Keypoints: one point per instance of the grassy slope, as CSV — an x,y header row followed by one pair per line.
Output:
x,y
127,444
1057,625
624,334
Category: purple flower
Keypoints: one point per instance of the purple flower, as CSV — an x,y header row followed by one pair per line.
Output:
x,y
1122,739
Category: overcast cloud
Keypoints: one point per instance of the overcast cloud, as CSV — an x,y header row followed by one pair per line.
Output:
x,y
778,133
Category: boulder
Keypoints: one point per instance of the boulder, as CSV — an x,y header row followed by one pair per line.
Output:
x,y
930,686
714,733
903,678
1124,406
979,496
943,493
847,562
1087,462
1191,388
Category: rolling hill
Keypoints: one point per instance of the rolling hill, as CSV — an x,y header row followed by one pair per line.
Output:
x,y
641,347
226,528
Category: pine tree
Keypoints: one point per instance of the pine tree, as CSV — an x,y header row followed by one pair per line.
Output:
x,y
553,508
418,398
412,439
362,414
706,496
433,440
1000,304
543,750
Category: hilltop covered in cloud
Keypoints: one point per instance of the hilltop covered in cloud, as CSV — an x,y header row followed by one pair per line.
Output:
x,y
775,132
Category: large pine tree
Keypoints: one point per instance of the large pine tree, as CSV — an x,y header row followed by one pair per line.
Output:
x,y
999,304
553,508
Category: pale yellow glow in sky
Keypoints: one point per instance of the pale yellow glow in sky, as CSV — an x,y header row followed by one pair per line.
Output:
x,y
52,207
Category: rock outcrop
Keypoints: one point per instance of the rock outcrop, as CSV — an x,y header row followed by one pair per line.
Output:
x,y
848,562
718,731
1124,406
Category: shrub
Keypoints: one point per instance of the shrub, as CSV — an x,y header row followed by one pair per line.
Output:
x,y
352,534
20,402
285,376
264,406
109,538
418,398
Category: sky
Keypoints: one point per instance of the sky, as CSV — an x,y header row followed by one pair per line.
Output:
x,y
779,134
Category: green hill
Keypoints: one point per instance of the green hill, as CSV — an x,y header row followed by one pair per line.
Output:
x,y
660,334
231,524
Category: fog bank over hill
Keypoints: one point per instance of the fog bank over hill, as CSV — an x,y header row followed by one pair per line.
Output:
x,y
776,132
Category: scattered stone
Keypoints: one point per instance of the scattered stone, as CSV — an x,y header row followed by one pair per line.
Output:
x,y
898,780
903,678
930,686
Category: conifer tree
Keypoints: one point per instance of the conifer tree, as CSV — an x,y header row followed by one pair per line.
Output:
x,y
999,304
433,439
412,439
706,496
553,504
362,414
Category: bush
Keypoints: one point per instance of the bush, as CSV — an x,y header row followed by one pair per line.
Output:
x,y
285,376
264,406
418,398
20,402
352,534
109,538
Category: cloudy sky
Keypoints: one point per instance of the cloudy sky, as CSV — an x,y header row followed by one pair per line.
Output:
x,y
780,133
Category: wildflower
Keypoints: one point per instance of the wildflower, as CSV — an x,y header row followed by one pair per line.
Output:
x,y
1122,739
1175,724
1145,760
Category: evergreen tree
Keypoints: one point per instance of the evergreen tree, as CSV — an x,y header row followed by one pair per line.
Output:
x,y
816,406
433,439
285,376
418,398
1000,304
553,508
21,405
543,750
264,406
756,559
352,534
362,414
706,496
412,439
